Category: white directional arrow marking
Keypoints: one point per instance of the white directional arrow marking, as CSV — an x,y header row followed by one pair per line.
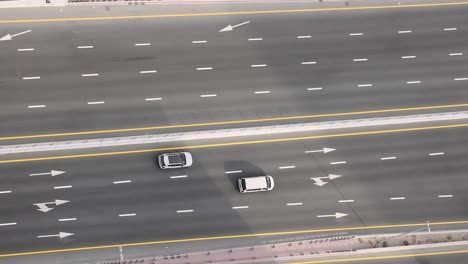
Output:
x,y
320,182
231,27
52,172
44,208
9,36
60,235
324,150
336,215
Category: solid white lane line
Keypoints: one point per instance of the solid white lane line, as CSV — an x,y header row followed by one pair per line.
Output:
x,y
314,88
308,62
398,198
304,37
338,162
408,57
184,211
356,34
450,29
142,44
365,85
262,92
63,187
153,99
346,201
436,153
97,102
119,182
208,95
36,106
124,215
293,204
363,59
461,79
287,167
199,41
255,39
240,207
30,49
89,74
67,219
456,54
404,31
85,47
258,65
7,224
445,196
388,158
1,192
179,176
149,71
413,82
234,171
204,68
32,78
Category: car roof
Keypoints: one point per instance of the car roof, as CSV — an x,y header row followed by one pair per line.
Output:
x,y
255,182
175,158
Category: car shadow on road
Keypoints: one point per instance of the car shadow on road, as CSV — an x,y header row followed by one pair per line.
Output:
x,y
236,169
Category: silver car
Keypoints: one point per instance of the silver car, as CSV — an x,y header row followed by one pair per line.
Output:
x,y
175,160
256,184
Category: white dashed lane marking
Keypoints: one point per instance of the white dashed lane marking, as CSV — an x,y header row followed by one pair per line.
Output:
x,y
142,44
62,187
234,171
89,74
207,95
36,106
308,62
148,71
365,85
413,82
445,196
388,158
67,219
362,59
255,39
125,215
314,88
32,78
287,167
240,207
85,47
304,37
262,92
450,29
404,31
356,34
2,192
408,57
460,79
204,68
258,65
184,211
436,153
120,182
456,54
199,41
30,49
398,198
153,99
338,162
346,201
97,102
179,176
293,204
7,224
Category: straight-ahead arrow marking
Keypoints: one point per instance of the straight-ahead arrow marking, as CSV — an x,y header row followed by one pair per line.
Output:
x,y
52,172
320,182
60,235
336,215
231,27
9,36
324,150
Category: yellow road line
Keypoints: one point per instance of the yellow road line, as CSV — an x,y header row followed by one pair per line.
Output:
x,y
238,143
354,228
232,122
260,12
440,253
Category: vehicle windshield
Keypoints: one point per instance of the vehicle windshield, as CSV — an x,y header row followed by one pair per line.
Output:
x,y
243,184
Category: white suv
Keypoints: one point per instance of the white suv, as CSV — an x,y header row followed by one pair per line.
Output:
x,y
175,160
256,184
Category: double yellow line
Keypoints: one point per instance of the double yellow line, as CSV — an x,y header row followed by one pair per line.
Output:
x,y
258,12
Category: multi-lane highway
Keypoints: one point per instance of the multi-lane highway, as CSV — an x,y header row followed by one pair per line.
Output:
x,y
65,77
